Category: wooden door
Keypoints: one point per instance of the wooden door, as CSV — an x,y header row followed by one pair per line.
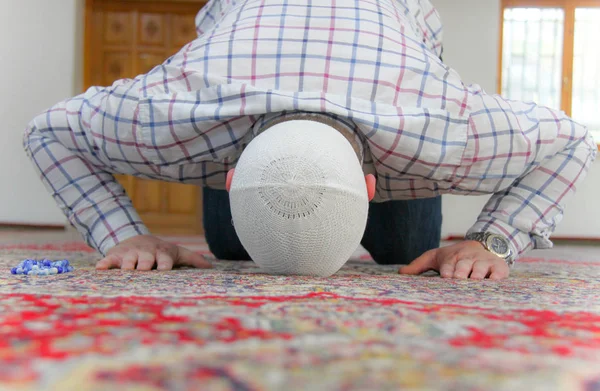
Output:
x,y
125,38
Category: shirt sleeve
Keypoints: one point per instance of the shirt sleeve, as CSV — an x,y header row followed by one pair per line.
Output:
x,y
210,14
432,27
541,156
68,145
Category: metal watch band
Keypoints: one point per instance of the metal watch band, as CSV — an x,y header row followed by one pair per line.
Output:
x,y
482,237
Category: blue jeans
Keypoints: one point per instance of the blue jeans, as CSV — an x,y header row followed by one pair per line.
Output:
x,y
397,231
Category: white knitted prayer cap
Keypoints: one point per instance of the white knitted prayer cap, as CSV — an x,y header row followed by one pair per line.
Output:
x,y
299,200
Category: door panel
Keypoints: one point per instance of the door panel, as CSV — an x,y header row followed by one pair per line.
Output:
x,y
182,27
184,199
116,65
125,38
147,60
117,28
152,29
148,195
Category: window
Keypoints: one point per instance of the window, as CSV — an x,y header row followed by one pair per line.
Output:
x,y
532,54
586,68
550,55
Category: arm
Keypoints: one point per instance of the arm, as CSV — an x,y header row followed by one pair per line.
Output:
x,y
544,154
532,159
69,152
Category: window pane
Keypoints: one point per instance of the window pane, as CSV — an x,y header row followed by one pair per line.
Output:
x,y
586,68
532,55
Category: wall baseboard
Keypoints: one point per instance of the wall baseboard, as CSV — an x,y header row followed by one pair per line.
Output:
x,y
15,226
553,238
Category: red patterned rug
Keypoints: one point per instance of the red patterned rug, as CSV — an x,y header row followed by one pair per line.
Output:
x,y
232,328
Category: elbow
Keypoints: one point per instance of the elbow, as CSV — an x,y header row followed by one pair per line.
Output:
x,y
29,136
593,145
34,133
581,144
588,147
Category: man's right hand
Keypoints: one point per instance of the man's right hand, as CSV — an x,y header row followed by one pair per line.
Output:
x,y
144,252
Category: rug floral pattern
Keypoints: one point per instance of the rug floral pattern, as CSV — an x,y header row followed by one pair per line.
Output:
x,y
234,328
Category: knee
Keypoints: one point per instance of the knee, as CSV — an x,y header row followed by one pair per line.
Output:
x,y
400,255
224,247
224,244
393,257
215,245
405,248
32,137
224,254
223,251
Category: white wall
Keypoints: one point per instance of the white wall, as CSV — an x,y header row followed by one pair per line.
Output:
x,y
41,45
471,39
471,42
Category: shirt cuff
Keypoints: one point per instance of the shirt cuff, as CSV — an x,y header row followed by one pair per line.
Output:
x,y
114,227
519,241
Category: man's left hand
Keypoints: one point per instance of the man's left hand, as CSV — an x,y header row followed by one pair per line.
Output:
x,y
467,259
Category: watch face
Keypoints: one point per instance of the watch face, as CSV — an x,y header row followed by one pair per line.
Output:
x,y
498,245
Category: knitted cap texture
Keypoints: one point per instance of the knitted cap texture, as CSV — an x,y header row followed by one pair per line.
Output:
x,y
299,200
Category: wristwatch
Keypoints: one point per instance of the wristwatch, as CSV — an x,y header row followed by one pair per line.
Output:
x,y
496,244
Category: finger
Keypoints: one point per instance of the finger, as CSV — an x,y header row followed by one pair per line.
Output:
x,y
164,261
481,269
499,271
421,264
190,258
146,261
109,262
447,269
129,260
463,268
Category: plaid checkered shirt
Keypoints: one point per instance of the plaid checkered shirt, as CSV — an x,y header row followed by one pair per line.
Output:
x,y
373,64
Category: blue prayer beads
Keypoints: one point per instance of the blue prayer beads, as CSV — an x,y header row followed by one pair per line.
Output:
x,y
44,267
